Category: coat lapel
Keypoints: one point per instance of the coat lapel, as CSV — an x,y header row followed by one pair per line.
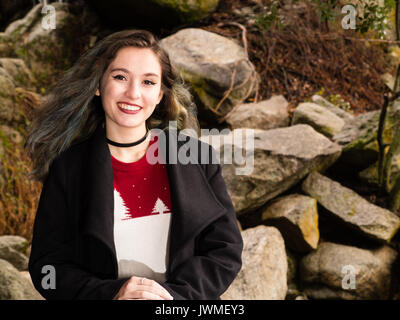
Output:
x,y
98,220
193,202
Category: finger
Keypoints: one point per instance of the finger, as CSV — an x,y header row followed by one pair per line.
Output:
x,y
154,287
143,295
155,290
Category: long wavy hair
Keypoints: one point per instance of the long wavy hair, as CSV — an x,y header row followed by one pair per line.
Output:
x,y
71,111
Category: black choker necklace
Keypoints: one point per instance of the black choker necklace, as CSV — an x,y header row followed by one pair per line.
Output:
x,y
124,145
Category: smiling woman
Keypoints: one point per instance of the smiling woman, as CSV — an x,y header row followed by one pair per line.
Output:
x,y
75,107
129,96
110,223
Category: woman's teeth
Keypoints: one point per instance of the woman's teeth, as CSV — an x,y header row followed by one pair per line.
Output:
x,y
128,107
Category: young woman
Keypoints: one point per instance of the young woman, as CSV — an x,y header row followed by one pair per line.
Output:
x,y
110,224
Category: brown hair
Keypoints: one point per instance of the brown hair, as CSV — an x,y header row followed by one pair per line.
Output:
x,y
72,111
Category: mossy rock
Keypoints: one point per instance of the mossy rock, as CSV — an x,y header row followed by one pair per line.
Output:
x,y
359,137
153,12
49,52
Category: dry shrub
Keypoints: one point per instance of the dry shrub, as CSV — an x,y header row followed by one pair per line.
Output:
x,y
307,55
19,196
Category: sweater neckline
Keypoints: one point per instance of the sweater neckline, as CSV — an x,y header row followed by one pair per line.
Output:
x,y
138,164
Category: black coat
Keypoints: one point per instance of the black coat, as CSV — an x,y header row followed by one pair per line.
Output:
x,y
73,229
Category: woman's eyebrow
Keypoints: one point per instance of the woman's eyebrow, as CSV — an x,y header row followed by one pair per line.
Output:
x,y
127,71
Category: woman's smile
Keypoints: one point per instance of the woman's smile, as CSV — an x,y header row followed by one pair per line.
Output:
x,y
128,108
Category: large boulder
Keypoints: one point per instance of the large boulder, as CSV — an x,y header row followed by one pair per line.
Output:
x,y
336,271
213,65
14,285
345,204
153,12
47,50
13,249
274,161
296,217
264,271
266,114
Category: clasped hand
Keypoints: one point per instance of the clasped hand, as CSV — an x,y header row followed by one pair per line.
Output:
x,y
137,288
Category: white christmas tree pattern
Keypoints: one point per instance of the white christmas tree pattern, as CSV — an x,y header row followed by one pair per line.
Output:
x,y
119,205
160,207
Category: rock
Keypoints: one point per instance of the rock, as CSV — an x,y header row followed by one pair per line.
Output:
x,y
359,137
31,26
27,276
292,267
46,50
209,62
266,114
371,220
320,118
264,270
13,249
344,115
13,135
7,106
13,72
259,167
14,286
301,297
296,217
7,84
370,174
337,271
18,71
150,12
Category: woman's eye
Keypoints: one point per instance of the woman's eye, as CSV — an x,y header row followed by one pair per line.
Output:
x,y
149,82
118,77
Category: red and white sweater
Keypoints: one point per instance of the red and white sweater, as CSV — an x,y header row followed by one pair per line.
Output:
x,y
142,215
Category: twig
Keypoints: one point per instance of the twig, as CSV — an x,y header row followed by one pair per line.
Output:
x,y
286,83
227,93
369,40
244,34
231,88
381,155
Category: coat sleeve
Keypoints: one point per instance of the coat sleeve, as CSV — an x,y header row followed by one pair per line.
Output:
x,y
219,247
53,245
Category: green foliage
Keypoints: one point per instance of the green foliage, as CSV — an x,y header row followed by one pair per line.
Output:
x,y
270,17
327,10
335,99
375,18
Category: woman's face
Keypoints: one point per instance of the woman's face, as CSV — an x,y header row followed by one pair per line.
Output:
x,y
130,88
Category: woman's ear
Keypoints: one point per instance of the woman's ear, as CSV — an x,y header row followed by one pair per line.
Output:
x,y
97,92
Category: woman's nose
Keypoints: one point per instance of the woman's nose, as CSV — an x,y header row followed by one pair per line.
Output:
x,y
133,90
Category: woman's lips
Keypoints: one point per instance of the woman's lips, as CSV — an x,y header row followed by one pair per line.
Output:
x,y
129,111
